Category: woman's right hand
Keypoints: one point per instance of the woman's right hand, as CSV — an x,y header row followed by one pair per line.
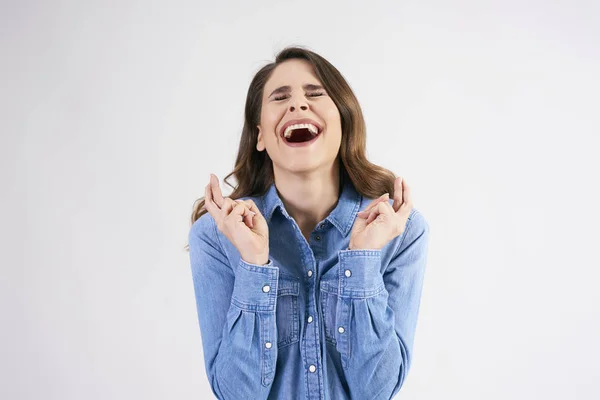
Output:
x,y
240,221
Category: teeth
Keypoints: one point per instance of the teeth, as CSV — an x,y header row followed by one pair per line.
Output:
x,y
288,131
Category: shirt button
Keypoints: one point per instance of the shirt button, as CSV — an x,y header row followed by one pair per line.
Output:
x,y
318,237
309,273
268,345
309,319
341,329
312,368
348,273
266,288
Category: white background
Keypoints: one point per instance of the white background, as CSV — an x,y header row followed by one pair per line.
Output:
x,y
113,114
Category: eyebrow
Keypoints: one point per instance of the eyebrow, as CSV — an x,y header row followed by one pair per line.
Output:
x,y
287,88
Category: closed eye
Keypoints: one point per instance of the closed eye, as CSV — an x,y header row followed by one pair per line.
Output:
x,y
316,94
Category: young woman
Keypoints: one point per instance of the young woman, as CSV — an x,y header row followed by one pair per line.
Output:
x,y
307,280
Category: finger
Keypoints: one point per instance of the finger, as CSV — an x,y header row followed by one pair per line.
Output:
x,y
383,197
227,207
367,211
255,211
407,204
252,207
216,190
372,216
210,206
248,204
398,193
248,213
383,208
238,213
380,199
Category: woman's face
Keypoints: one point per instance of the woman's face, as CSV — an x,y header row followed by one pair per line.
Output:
x,y
293,92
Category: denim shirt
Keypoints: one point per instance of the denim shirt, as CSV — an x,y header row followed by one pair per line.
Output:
x,y
318,321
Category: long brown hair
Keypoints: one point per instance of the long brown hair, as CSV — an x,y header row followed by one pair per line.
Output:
x,y
254,169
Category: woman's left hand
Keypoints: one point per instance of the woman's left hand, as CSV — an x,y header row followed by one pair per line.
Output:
x,y
380,222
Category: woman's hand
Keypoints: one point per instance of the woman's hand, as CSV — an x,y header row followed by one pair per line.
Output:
x,y
380,222
241,222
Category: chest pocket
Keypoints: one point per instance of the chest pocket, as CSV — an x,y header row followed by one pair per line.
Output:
x,y
288,319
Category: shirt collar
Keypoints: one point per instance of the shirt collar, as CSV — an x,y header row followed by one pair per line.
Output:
x,y
342,216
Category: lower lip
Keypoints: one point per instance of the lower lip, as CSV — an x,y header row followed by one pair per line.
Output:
x,y
301,144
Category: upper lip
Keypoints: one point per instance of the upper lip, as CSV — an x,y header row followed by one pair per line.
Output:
x,y
300,121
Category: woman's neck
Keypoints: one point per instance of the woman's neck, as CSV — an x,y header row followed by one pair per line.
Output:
x,y
309,198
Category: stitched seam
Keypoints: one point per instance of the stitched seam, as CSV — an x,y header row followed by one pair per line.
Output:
x,y
408,225
251,307
353,294
357,204
214,224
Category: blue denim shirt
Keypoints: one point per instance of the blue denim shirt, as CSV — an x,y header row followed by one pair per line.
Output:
x,y
318,321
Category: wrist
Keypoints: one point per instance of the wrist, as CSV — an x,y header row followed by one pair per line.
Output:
x,y
366,246
261,260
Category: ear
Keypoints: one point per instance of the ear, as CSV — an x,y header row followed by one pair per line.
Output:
x,y
260,144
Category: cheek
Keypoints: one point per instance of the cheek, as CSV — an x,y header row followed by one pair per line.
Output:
x,y
269,120
334,121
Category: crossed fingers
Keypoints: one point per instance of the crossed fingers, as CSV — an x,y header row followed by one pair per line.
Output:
x,y
220,207
402,202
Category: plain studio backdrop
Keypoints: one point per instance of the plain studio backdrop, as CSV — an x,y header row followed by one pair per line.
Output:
x,y
113,114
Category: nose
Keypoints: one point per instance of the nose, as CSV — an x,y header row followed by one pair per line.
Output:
x,y
301,102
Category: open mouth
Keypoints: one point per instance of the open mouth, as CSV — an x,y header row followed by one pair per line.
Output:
x,y
300,136
300,132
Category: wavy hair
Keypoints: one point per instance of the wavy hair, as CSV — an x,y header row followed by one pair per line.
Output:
x,y
253,169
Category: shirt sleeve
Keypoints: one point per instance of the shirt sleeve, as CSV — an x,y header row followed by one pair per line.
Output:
x,y
236,313
377,312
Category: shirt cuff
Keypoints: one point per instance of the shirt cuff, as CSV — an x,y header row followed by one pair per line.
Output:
x,y
255,286
360,273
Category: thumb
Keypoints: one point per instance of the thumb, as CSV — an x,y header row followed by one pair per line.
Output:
x,y
239,211
254,216
374,203
254,209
